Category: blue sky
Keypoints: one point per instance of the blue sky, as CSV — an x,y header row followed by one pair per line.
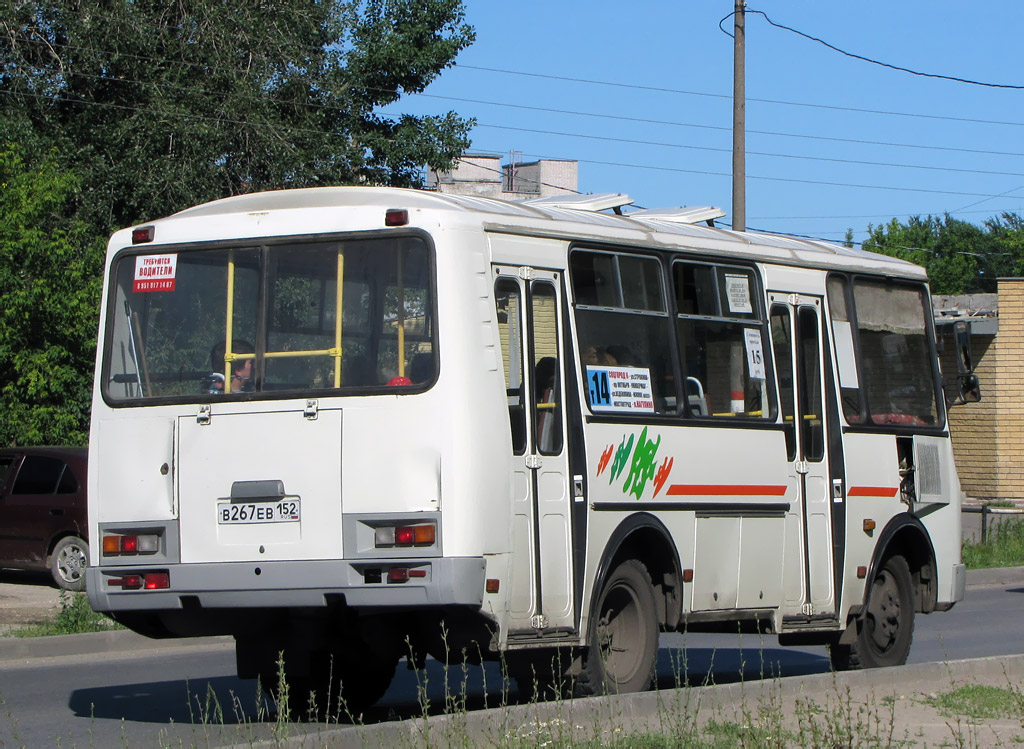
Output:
x,y
937,150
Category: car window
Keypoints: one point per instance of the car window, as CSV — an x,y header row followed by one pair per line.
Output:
x,y
68,483
38,475
5,468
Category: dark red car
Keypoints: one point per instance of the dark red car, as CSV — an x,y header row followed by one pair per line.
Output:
x,y
43,523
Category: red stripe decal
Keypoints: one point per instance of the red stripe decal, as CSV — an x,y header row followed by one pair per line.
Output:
x,y
726,490
872,491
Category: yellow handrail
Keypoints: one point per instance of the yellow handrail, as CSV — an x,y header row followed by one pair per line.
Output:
x,y
229,323
338,308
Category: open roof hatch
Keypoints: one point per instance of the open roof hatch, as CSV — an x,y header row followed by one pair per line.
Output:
x,y
686,214
601,201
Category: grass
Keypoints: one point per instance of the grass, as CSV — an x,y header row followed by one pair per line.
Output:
x,y
1004,547
74,617
978,702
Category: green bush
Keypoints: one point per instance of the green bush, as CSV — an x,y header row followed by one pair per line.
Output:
x,y
1003,548
74,617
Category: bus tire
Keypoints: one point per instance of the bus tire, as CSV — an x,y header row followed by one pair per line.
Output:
x,y
622,645
886,628
340,686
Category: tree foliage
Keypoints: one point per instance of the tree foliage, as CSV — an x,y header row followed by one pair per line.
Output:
x,y
163,105
50,265
144,108
960,257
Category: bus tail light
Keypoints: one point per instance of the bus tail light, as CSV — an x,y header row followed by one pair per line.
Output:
x,y
130,544
396,217
157,580
154,580
422,534
402,574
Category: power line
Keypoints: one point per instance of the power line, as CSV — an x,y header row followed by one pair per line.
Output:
x,y
633,141
862,58
314,105
663,90
680,170
721,128
526,107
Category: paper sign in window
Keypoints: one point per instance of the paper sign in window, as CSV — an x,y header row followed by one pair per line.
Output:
x,y
755,355
737,289
155,272
846,359
620,389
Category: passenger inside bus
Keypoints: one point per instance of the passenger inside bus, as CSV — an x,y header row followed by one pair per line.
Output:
x,y
242,380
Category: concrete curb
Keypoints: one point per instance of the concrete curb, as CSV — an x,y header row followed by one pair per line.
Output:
x,y
121,641
659,710
96,643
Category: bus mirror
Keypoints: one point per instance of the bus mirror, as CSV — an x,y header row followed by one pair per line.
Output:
x,y
970,389
962,342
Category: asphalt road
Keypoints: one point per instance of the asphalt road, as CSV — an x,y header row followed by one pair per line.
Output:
x,y
170,695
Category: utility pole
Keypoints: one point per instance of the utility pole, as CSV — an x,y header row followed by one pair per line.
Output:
x,y
739,125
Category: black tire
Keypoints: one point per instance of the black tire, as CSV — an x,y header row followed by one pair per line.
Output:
x,y
543,674
622,645
68,562
886,628
339,686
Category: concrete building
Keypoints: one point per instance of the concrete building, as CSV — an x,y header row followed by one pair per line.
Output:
x,y
483,175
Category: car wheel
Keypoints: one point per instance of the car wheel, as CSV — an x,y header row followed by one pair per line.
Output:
x,y
68,562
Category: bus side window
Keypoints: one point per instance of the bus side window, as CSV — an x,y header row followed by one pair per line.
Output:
x,y
720,330
782,346
508,300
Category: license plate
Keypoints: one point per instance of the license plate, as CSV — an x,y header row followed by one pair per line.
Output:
x,y
234,513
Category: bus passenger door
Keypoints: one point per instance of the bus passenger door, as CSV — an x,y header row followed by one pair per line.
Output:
x,y
529,311
796,322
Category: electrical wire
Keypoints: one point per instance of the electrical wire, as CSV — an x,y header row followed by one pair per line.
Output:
x,y
862,58
663,90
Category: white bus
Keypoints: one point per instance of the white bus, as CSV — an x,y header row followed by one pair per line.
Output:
x,y
351,425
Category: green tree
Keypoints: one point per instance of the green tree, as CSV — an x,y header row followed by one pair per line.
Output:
x,y
50,264
960,257
159,106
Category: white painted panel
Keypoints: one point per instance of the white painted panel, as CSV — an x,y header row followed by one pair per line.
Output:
x,y
304,454
760,575
555,555
716,571
129,474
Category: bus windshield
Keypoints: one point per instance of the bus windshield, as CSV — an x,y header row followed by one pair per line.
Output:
x,y
232,321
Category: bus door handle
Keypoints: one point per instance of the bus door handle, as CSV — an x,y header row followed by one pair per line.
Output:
x,y
203,417
533,461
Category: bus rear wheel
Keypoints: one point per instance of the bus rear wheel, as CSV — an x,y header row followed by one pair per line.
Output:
x,y
340,685
623,640
886,627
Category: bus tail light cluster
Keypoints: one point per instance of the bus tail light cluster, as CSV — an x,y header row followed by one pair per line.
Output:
x,y
421,534
130,544
152,580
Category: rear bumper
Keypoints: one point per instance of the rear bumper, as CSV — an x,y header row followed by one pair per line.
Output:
x,y
444,581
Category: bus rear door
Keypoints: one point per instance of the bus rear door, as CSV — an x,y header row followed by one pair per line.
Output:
x,y
529,311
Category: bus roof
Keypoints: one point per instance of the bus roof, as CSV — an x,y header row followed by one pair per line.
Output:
x,y
546,220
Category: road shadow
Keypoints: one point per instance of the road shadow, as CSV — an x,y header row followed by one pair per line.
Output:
x,y
26,577
229,701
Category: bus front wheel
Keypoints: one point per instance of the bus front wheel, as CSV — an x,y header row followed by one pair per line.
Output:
x,y
622,646
886,626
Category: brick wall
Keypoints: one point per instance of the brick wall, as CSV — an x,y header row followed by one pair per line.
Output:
x,y
1007,390
973,425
